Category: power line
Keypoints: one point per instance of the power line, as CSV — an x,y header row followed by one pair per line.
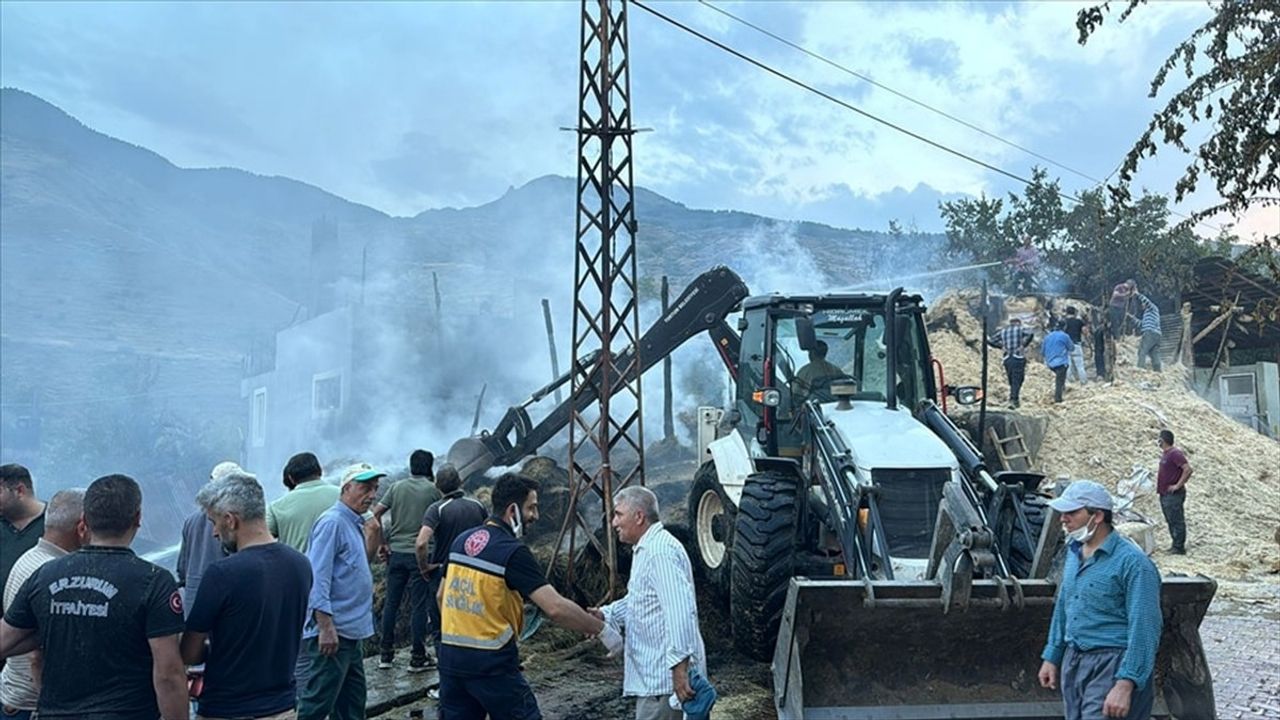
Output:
x,y
849,106
865,78
842,103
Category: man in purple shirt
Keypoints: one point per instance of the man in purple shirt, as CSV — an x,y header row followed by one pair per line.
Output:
x,y
1171,485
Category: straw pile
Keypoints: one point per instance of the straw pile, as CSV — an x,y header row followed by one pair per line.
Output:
x,y
1102,430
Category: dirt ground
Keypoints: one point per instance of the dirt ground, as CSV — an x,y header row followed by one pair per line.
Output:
x,y
575,681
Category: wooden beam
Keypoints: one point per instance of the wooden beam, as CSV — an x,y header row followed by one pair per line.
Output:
x,y
1216,322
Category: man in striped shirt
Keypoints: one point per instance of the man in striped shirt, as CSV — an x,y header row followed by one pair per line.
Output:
x,y
1013,339
659,613
63,533
1149,346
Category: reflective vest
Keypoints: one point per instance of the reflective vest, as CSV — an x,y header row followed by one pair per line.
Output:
x,y
480,617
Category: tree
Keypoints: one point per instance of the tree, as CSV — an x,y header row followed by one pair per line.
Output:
x,y
1083,250
1232,63
991,230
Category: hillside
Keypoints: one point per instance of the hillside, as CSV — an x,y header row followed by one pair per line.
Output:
x,y
131,288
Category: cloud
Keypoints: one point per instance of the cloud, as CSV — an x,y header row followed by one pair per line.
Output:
x,y
404,107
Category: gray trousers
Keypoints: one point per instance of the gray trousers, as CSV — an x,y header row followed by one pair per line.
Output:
x,y
1086,678
656,707
1149,347
1176,517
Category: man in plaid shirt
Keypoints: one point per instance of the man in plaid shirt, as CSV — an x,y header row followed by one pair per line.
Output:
x,y
1012,340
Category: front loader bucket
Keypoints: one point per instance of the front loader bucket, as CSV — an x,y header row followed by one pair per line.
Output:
x,y
890,652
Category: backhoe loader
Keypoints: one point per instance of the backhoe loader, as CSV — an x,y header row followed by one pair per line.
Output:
x,y
853,531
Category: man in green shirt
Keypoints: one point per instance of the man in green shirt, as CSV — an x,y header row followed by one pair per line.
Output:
x,y
404,505
291,517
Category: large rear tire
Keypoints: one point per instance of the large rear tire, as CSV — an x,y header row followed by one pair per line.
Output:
x,y
711,521
1022,550
764,558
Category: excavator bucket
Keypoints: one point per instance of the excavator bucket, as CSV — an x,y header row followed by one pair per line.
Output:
x,y
885,650
470,456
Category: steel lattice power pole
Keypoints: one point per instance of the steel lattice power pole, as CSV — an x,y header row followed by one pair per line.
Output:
x,y
605,312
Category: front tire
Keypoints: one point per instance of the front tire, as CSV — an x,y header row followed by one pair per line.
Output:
x,y
764,559
711,527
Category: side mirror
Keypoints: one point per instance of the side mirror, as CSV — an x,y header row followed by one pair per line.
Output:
x,y
965,394
804,333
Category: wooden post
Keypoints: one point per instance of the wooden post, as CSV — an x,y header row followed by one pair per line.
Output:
x,y
668,418
551,345
475,419
435,284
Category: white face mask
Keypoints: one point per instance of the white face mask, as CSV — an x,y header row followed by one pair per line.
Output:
x,y
1082,533
517,522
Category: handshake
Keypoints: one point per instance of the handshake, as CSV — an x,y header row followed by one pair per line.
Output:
x,y
609,635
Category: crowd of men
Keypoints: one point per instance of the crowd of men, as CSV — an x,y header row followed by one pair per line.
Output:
x,y
273,603
1063,345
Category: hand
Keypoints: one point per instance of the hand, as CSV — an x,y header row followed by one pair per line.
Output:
x,y
328,640
596,613
1048,675
1117,703
680,678
384,553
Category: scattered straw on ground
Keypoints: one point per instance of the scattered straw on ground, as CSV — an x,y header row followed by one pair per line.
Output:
x,y
1102,430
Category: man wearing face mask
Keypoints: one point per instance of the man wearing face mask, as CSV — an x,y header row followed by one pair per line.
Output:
x,y
1106,621
249,607
489,576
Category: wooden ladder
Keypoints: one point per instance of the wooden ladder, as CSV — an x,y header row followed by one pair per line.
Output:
x,y
1020,453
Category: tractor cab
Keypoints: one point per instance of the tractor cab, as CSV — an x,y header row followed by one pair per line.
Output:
x,y
823,348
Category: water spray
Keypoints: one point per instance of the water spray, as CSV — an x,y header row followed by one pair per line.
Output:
x,y
917,276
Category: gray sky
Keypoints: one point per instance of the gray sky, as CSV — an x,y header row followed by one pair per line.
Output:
x,y
406,107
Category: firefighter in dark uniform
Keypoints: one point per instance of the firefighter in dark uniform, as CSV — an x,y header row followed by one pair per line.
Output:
x,y
489,576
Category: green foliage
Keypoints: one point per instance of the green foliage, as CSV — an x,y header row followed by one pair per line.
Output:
x,y
1232,64
1083,250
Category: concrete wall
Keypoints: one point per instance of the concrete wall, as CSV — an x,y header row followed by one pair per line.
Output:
x,y
320,347
1266,414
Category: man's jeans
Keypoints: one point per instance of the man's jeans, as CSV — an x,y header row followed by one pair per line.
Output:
x,y
1077,364
335,685
1174,514
1059,382
1016,370
433,607
1149,346
1087,677
402,570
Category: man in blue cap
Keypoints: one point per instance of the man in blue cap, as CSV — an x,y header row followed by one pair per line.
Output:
x,y
1106,622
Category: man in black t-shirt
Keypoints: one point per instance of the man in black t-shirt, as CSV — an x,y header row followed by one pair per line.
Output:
x,y
445,520
1076,328
108,621
251,606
